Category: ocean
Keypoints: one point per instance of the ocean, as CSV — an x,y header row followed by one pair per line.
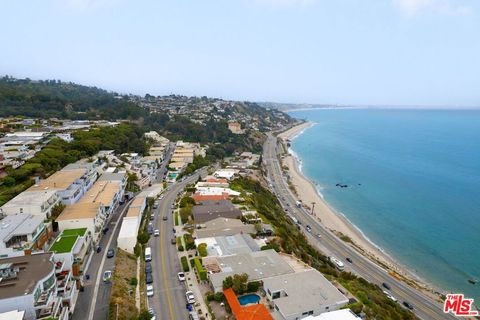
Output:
x,y
413,181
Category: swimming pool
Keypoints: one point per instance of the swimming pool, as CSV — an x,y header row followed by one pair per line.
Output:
x,y
249,298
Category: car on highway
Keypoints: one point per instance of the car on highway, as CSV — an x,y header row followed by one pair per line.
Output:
x,y
386,286
110,253
148,278
164,218
155,205
173,241
408,305
149,290
107,275
389,296
148,267
99,249
308,228
349,259
156,232
190,297
319,236
105,230
181,276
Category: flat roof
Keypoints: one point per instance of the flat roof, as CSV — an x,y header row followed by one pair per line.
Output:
x,y
134,212
29,198
206,212
128,229
224,227
102,192
138,201
85,210
12,315
59,180
297,286
33,268
258,265
19,224
116,176
344,314
229,245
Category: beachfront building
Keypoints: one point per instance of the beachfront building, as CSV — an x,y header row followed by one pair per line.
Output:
x,y
287,295
209,210
29,284
36,202
222,227
228,245
127,237
23,233
258,265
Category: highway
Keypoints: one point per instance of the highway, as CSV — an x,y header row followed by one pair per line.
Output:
x,y
169,293
330,244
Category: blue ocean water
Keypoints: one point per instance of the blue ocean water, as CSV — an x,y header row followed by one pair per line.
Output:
x,y
414,184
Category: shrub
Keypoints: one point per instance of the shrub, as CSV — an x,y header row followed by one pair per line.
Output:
x,y
180,248
133,281
185,266
185,213
202,250
218,296
253,286
202,273
189,242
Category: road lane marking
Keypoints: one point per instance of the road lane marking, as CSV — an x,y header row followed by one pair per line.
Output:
x,y
162,255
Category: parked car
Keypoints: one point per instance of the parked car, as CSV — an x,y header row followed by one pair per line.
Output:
x,y
319,236
386,286
110,253
150,229
190,297
181,276
152,313
156,232
173,241
165,218
99,249
148,267
148,278
308,228
408,305
107,275
149,290
155,205
105,230
349,259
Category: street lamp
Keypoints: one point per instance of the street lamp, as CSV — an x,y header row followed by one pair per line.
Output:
x,y
313,206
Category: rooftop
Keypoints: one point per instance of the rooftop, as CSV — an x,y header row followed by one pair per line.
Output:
x,y
18,224
297,286
31,198
85,210
65,242
206,212
224,227
32,268
117,176
258,265
102,192
12,315
254,312
60,180
229,245
344,314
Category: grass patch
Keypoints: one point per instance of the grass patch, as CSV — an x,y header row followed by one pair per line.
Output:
x,y
176,219
67,240
72,232
202,273
122,300
185,265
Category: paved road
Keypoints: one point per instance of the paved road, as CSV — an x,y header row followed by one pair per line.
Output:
x,y
85,298
169,293
424,307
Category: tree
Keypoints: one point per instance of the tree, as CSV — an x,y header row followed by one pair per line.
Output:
x,y
238,283
143,237
144,315
202,250
57,210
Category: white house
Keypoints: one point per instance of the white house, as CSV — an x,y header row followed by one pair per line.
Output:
x,y
37,202
127,237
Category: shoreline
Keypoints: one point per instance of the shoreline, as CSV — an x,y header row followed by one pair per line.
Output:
x,y
338,223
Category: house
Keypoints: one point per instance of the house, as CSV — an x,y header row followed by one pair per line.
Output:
x,y
93,209
71,249
220,209
70,183
223,227
228,245
288,293
344,314
37,202
216,191
29,284
251,312
201,197
127,237
23,233
259,265
235,127
225,173
12,315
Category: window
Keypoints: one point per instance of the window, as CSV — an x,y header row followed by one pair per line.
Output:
x,y
276,295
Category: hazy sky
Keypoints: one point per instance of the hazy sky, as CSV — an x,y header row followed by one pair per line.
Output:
x,y
415,52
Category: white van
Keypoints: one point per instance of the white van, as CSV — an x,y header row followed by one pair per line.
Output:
x,y
148,254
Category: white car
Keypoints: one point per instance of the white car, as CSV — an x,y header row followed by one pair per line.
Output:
x,y
149,290
181,276
190,297
107,275
156,232
389,296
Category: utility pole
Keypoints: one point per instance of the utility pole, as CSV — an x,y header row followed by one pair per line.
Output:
x,y
313,206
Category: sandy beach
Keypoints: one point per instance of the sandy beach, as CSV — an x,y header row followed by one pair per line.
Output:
x,y
307,193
